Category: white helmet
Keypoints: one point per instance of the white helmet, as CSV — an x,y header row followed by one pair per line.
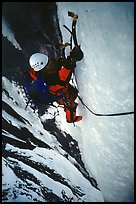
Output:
x,y
38,61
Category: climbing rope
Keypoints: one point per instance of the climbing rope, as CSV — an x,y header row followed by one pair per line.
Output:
x,y
102,114
73,34
97,114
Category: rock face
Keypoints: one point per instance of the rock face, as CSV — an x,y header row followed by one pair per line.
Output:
x,y
41,163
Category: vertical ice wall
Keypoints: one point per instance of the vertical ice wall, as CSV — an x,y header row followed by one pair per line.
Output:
x,y
106,83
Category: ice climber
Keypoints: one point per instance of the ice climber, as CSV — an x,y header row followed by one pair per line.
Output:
x,y
55,75
52,77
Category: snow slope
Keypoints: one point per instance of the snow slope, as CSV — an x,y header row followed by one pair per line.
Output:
x,y
36,164
105,79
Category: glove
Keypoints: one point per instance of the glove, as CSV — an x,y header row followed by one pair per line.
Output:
x,y
77,53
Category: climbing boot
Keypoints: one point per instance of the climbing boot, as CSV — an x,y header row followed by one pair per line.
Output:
x,y
71,114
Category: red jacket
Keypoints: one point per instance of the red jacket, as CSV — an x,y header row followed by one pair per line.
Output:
x,y
57,80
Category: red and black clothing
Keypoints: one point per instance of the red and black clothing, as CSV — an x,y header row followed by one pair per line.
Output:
x,y
57,75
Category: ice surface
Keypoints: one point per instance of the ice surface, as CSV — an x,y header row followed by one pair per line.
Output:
x,y
105,79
